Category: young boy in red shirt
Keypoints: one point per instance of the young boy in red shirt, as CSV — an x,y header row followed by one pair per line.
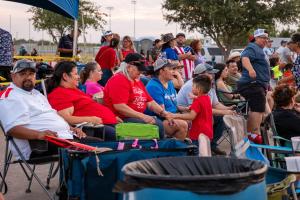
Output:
x,y
200,110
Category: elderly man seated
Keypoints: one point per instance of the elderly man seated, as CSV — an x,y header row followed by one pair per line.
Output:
x,y
26,114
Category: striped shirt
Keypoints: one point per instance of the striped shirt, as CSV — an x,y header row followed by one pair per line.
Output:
x,y
189,65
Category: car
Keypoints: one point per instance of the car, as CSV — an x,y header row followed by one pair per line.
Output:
x,y
212,54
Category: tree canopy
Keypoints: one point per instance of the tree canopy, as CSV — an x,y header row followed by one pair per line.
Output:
x,y
229,21
56,25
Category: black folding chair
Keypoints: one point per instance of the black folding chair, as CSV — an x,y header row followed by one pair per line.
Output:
x,y
29,164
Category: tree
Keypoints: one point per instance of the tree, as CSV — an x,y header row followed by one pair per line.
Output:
x,y
285,32
225,21
56,25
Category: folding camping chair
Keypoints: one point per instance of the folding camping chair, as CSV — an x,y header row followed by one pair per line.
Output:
x,y
242,148
30,172
271,137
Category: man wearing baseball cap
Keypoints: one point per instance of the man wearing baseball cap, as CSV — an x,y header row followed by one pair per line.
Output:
x,y
27,115
254,82
184,98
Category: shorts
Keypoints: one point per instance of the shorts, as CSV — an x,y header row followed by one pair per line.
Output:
x,y
255,94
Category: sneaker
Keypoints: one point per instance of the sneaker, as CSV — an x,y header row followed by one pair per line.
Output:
x,y
255,138
218,151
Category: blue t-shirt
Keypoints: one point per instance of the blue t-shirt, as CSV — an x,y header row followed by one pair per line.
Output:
x,y
163,96
260,64
170,54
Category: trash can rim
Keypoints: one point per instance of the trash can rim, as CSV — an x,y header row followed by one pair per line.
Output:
x,y
199,177
196,177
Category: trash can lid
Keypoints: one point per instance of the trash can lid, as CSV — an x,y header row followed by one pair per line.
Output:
x,y
198,174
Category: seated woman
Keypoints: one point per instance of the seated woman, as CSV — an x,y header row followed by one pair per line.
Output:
x,y
74,105
126,95
89,77
161,89
233,74
286,118
223,89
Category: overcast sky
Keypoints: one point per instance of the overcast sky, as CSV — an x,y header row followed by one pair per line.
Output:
x,y
149,20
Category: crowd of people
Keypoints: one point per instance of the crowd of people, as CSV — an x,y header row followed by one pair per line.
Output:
x,y
173,87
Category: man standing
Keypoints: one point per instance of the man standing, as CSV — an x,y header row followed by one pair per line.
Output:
x,y
65,45
284,53
254,82
186,55
6,55
269,51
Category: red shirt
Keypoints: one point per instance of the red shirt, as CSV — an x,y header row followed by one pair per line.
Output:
x,y
119,90
126,52
203,122
106,57
61,98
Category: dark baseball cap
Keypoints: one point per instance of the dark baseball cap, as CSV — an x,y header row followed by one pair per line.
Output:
x,y
20,65
137,60
180,34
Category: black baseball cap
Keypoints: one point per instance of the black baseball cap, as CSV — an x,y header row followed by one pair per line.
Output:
x,y
137,60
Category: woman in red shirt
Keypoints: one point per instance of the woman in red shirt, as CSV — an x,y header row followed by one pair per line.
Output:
x,y
127,97
127,47
74,105
107,59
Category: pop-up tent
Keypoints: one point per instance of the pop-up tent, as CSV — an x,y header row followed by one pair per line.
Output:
x,y
67,8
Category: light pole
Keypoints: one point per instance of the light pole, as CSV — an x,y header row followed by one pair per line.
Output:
x,y
134,3
10,23
29,34
109,8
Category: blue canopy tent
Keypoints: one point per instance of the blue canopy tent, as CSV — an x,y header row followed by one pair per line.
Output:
x,y
67,8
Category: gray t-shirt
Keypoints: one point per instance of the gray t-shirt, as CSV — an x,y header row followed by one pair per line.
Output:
x,y
284,53
183,96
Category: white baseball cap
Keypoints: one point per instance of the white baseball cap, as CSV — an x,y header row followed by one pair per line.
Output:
x,y
260,32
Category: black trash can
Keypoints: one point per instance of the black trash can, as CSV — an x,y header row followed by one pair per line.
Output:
x,y
194,178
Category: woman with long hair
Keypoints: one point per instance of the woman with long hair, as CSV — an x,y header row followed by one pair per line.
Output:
x,y
127,47
74,105
127,97
168,47
223,89
107,59
196,45
89,77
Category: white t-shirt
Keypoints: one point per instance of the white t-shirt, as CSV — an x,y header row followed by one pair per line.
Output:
x,y
31,110
183,96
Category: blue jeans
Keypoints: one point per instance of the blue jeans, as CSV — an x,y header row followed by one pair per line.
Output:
x,y
107,132
158,123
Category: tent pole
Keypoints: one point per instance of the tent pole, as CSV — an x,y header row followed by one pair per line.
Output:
x,y
75,37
